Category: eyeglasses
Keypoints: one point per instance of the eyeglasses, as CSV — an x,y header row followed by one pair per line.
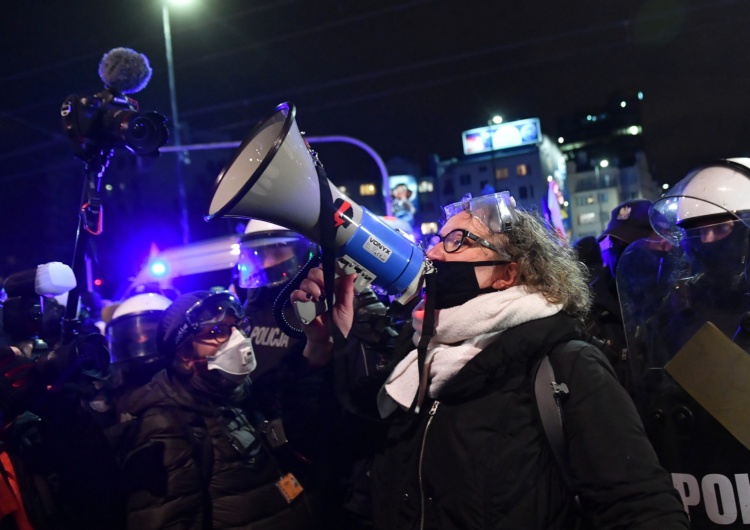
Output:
x,y
454,240
222,331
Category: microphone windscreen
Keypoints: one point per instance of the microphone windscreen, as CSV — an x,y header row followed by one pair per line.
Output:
x,y
54,279
125,70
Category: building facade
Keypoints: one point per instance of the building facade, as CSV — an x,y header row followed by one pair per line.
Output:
x,y
606,163
534,174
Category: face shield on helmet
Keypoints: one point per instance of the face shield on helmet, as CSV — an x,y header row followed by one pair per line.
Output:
x,y
131,339
497,211
271,255
708,214
706,203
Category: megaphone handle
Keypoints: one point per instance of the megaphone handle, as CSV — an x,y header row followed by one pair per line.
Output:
x,y
309,311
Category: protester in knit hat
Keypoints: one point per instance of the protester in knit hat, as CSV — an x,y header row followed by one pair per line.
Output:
x,y
199,457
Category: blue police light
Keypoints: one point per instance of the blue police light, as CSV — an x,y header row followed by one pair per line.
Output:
x,y
158,269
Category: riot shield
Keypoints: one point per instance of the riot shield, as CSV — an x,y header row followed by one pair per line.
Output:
x,y
683,311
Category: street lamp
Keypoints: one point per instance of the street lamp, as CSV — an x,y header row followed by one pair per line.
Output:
x,y
182,156
493,123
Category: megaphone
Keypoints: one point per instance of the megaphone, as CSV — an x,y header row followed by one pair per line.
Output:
x,y
273,177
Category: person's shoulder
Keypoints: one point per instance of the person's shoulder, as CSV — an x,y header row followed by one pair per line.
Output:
x,y
579,356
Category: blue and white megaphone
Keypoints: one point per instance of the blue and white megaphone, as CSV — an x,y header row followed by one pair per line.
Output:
x,y
273,177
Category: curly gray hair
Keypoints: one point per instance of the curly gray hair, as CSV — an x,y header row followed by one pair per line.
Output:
x,y
547,263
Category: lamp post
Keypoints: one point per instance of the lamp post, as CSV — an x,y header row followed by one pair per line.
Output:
x,y
493,123
182,156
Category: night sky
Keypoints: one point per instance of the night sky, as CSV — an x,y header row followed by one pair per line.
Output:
x,y
405,77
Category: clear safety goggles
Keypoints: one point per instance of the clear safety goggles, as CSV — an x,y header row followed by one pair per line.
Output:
x,y
497,211
214,310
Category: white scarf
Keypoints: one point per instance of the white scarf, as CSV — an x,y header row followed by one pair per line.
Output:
x,y
460,333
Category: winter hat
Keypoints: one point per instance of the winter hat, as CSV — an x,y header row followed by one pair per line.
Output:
x,y
173,328
630,222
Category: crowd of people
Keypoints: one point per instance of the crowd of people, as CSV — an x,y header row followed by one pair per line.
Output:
x,y
378,415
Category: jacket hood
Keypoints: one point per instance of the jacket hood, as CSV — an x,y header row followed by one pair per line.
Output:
x,y
525,343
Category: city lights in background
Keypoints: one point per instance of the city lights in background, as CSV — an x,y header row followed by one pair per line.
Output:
x,y
604,163
665,186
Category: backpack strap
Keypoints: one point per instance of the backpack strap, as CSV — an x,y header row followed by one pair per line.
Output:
x,y
549,394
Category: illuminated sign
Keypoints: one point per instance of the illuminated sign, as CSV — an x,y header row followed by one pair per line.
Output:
x,y
503,136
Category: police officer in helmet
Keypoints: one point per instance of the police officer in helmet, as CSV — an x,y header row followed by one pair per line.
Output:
x,y
270,256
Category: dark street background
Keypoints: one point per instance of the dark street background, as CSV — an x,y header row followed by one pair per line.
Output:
x,y
406,77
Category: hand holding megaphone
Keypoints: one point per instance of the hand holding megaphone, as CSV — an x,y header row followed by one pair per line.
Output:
x,y
317,331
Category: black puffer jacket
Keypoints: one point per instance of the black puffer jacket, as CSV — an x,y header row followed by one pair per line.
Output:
x,y
477,458
188,449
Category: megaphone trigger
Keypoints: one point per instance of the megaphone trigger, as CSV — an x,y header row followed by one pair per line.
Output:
x,y
308,311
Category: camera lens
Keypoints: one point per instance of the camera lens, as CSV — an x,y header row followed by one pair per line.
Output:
x,y
146,133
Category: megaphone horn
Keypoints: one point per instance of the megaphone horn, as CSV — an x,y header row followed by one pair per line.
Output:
x,y
272,177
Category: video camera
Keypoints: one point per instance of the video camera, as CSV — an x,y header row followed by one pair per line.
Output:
x,y
106,120
35,350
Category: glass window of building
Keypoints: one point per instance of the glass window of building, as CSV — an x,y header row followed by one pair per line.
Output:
x,y
367,190
587,218
426,186
501,173
464,179
522,170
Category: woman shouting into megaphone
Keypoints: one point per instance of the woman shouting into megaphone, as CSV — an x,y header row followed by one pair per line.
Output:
x,y
465,446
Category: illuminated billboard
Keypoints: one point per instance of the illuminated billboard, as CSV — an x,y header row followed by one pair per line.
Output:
x,y
404,197
503,136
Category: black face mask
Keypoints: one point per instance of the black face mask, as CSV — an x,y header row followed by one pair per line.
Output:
x,y
456,282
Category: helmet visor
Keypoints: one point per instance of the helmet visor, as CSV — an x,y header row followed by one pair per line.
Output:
x,y
709,195
271,261
133,337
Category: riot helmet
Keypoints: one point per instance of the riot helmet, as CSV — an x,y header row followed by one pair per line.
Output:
x,y
131,334
713,194
271,255
708,214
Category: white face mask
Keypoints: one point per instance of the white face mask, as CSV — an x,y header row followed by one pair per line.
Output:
x,y
235,356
